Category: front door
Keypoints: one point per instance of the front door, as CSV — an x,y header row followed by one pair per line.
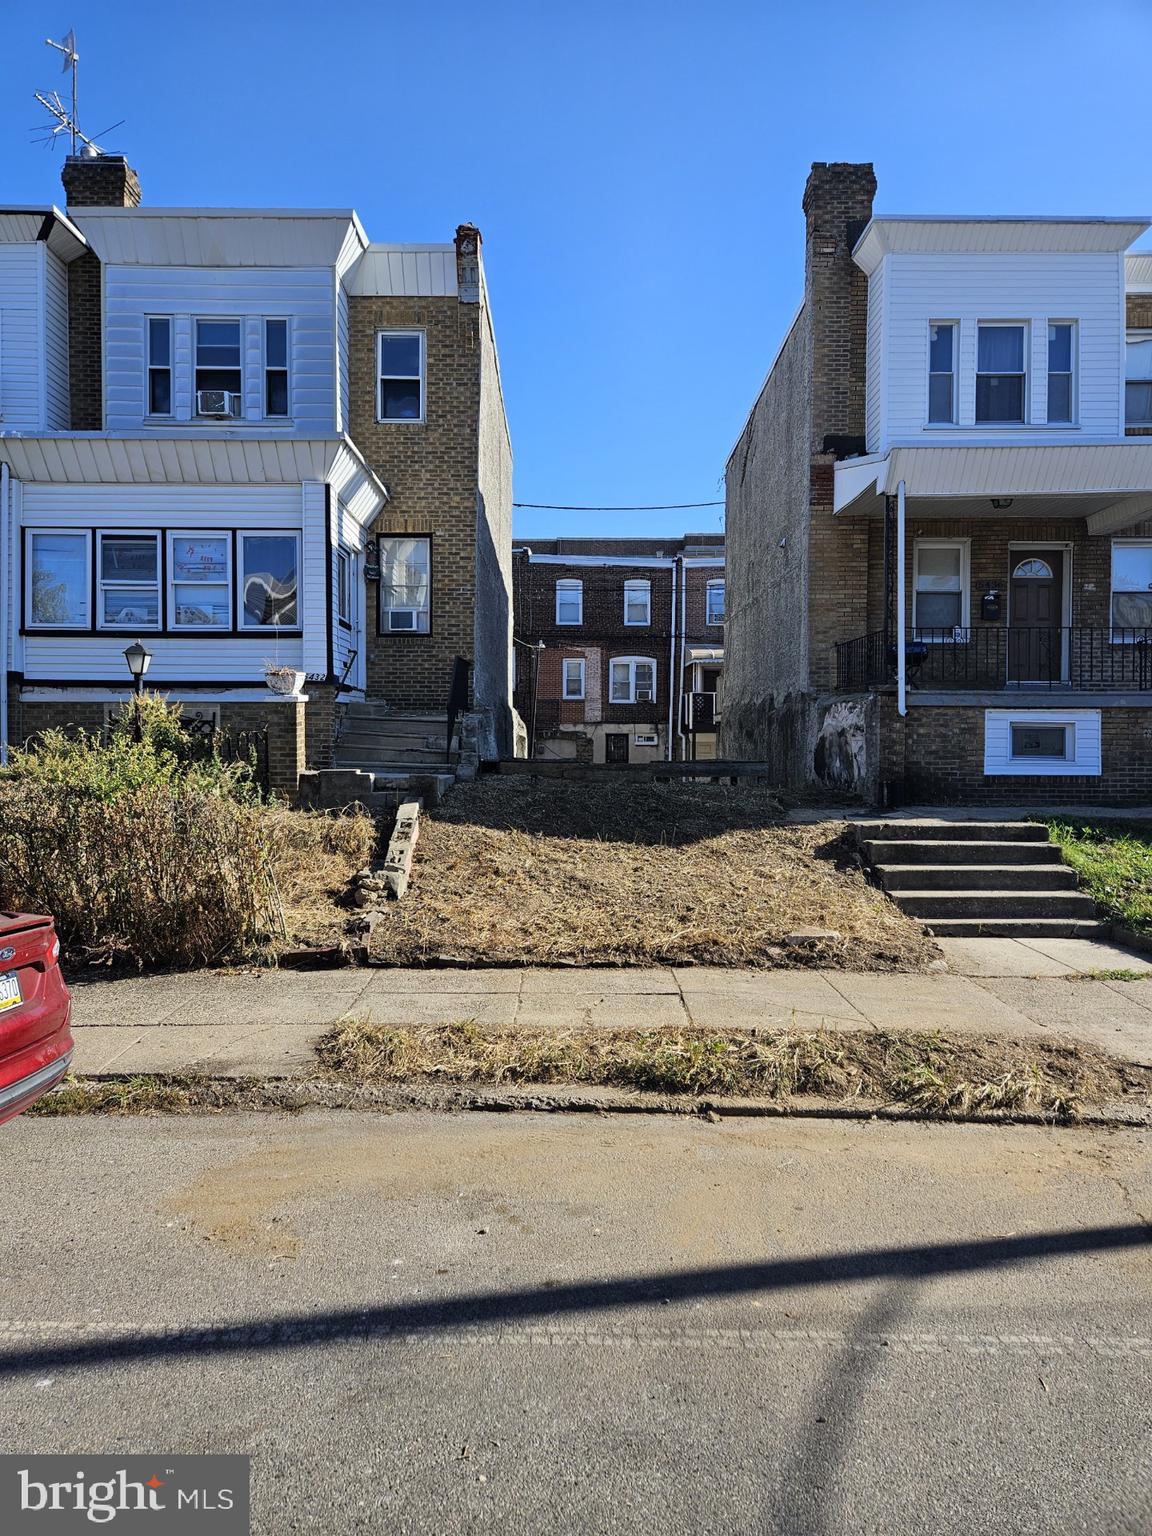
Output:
x,y
1035,616
616,747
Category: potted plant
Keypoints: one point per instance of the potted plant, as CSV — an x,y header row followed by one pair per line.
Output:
x,y
285,680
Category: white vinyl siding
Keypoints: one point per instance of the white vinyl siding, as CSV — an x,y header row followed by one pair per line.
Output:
x,y
637,603
1024,743
58,416
21,363
875,403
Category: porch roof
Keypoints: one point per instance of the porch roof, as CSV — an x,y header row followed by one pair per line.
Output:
x,y
1107,484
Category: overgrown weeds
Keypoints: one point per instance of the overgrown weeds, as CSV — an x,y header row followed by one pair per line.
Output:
x,y
1114,862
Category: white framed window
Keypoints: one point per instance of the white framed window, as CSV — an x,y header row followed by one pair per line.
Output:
x,y
714,601
57,579
1043,743
648,740
400,364
573,681
269,580
631,680
1001,373
405,585
1138,379
200,580
569,602
219,364
344,585
276,368
941,589
159,365
1061,371
942,372
128,581
637,602
1132,589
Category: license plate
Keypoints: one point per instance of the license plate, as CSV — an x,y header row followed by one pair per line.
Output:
x,y
10,991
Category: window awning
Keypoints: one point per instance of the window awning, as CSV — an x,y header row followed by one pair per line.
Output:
x,y
705,653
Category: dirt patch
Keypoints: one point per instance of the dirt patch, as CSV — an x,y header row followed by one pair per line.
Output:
x,y
512,871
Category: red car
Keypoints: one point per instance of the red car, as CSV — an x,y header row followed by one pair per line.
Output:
x,y
35,1012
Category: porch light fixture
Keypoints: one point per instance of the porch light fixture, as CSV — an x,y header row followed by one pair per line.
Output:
x,y
1002,503
139,660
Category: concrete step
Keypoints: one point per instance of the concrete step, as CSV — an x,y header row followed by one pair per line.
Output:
x,y
391,748
380,711
952,831
975,877
929,905
905,851
1016,928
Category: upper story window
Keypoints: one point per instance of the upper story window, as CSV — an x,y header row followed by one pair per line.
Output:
x,y
1138,379
569,602
942,372
276,368
405,586
128,570
1001,376
269,566
1061,371
400,373
219,374
573,687
160,366
57,580
714,602
637,602
940,588
631,679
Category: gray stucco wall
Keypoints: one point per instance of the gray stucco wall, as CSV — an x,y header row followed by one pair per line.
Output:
x,y
492,656
766,499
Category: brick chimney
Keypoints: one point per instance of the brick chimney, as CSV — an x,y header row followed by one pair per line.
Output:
x,y
468,243
91,181
837,206
100,181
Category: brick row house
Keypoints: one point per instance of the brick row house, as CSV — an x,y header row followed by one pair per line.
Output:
x,y
246,437
620,647
939,511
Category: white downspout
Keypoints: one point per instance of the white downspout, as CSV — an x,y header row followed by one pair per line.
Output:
x,y
673,690
901,603
5,584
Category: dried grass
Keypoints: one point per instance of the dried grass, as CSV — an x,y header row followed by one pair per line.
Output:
x,y
511,871
313,857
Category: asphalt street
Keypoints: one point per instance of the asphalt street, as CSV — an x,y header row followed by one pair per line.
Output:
x,y
420,1323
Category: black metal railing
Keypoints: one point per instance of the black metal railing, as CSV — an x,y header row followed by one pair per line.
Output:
x,y
988,656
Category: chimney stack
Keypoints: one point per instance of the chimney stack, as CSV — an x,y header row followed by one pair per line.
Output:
x,y
468,243
100,181
837,206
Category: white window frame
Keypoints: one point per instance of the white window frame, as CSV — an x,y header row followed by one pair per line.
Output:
x,y
1118,636
174,536
646,739
77,533
1083,759
386,612
631,662
1134,336
122,584
1025,358
286,370
579,663
715,585
571,588
960,632
954,375
1073,377
344,584
151,368
638,588
401,421
197,322
242,620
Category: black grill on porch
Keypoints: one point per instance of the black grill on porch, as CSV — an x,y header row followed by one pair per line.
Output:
x,y
1000,656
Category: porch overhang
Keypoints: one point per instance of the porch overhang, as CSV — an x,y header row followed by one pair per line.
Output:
x,y
1109,485
706,653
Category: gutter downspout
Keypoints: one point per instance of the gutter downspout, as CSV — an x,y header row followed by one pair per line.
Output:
x,y
901,604
673,690
683,647
5,582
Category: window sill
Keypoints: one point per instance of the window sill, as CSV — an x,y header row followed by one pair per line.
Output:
x,y
1001,426
401,421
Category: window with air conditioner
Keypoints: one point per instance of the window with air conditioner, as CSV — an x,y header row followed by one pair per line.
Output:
x,y
219,372
405,585
632,680
637,602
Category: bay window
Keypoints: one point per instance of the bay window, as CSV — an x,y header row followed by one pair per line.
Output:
x,y
940,588
405,586
1132,589
58,589
1138,379
128,581
269,575
1000,374
637,602
631,680
200,580
942,372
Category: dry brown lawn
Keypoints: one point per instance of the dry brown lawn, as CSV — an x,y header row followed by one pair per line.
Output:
x,y
312,857
513,871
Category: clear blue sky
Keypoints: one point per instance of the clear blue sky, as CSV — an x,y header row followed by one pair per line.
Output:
x,y
635,166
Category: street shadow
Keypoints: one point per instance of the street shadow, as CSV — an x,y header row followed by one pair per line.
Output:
x,y
304,1329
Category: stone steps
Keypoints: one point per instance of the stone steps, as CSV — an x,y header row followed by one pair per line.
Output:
x,y
1016,928
886,851
1049,876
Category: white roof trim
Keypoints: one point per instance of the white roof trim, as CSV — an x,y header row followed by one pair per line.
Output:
x,y
655,562
944,233
220,237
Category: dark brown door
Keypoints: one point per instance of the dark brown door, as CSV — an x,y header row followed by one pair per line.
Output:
x,y
1035,616
616,747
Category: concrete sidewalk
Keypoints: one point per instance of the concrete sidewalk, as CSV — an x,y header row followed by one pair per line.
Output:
x,y
267,1024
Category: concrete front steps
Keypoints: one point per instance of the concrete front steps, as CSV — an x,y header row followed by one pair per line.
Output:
x,y
968,879
378,739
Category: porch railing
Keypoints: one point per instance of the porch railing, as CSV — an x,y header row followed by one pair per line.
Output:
x,y
993,656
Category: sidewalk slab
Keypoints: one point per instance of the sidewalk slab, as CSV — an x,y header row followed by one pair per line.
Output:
x,y
447,978
632,980
770,998
930,1002
1091,954
998,957
384,1006
1090,1010
609,1010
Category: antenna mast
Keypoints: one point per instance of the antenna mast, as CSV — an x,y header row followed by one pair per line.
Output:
x,y
70,61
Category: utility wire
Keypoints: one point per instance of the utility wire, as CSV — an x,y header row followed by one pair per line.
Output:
x,y
663,506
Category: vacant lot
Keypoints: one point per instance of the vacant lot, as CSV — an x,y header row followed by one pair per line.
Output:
x,y
509,870
1114,862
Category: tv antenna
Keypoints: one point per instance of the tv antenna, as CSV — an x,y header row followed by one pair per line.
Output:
x,y
67,118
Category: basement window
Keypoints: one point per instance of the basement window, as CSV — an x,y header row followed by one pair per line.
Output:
x,y
1041,743
1046,743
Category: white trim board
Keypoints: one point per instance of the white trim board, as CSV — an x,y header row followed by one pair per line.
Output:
x,y
998,760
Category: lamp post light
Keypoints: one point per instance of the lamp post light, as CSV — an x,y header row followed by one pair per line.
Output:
x,y
139,660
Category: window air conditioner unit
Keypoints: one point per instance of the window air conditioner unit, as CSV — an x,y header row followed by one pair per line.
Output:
x,y
402,618
643,695
217,402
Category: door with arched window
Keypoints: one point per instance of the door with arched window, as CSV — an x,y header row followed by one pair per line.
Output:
x,y
1036,652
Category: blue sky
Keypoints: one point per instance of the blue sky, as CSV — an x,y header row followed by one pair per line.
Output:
x,y
636,169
